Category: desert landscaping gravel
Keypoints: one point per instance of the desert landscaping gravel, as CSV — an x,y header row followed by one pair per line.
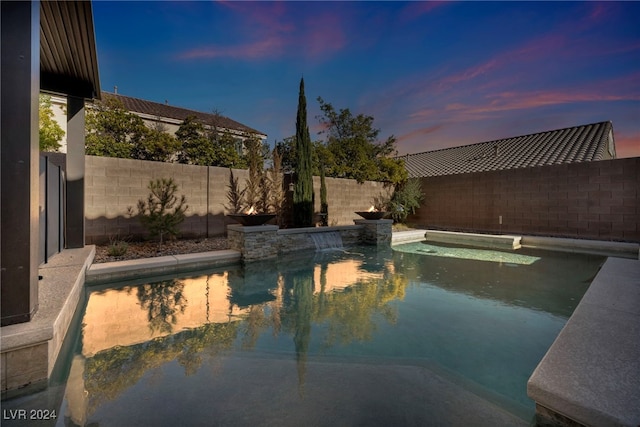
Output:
x,y
137,250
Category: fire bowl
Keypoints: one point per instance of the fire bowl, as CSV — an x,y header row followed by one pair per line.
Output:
x,y
372,215
249,220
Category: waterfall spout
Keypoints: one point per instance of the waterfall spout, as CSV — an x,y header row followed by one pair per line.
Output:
x,y
327,240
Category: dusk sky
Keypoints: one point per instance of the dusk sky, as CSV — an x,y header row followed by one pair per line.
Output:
x,y
434,75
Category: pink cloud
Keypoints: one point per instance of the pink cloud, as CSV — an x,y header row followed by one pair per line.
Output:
x,y
253,50
547,48
271,31
471,72
261,15
627,145
324,35
491,105
418,133
416,9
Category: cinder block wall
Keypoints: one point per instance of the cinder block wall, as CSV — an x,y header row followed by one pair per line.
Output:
x,y
346,196
594,200
112,185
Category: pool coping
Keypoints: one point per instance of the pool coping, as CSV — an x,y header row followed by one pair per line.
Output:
x,y
144,267
597,247
591,373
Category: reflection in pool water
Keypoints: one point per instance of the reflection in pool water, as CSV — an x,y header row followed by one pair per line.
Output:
x,y
243,345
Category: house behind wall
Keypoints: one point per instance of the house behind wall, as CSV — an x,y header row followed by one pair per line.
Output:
x,y
167,117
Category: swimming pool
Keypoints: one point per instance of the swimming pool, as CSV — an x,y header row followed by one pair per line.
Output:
x,y
414,335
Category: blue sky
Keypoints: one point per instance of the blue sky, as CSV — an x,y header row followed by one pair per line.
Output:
x,y
434,75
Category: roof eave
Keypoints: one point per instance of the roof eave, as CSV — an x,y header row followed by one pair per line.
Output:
x,y
68,56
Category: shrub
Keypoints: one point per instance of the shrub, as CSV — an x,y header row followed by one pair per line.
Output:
x,y
117,247
162,212
406,199
235,196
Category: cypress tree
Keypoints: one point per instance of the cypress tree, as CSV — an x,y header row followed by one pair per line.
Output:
x,y
303,190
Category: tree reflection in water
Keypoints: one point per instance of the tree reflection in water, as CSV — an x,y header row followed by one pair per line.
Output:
x,y
163,301
348,313
302,306
292,305
112,371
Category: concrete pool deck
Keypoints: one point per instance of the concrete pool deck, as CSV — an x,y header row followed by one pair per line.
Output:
x,y
29,350
591,373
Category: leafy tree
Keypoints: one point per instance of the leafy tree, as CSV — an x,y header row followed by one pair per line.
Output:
x,y
50,131
303,190
111,130
208,145
355,150
224,147
225,152
155,144
195,147
162,212
286,149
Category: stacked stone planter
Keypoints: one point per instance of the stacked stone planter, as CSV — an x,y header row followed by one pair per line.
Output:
x,y
375,231
267,241
254,242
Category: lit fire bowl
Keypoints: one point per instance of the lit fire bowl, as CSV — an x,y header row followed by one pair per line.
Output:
x,y
372,214
249,220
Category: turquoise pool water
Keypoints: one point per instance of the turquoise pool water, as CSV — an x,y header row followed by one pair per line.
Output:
x,y
420,334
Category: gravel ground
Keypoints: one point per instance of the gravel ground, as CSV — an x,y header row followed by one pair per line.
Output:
x,y
136,250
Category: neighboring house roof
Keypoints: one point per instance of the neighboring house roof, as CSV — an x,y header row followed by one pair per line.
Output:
x,y
155,110
571,145
68,57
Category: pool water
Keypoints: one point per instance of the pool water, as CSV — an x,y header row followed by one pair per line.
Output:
x,y
419,334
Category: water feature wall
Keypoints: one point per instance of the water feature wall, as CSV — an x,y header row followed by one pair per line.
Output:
x,y
330,240
267,241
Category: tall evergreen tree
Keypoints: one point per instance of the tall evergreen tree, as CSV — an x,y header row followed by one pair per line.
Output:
x,y
303,191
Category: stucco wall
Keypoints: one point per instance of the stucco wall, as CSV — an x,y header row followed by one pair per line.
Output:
x,y
595,200
112,185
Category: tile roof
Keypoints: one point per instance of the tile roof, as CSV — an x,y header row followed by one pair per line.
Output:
x,y
157,109
570,145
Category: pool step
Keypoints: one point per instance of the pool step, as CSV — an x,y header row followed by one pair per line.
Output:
x,y
410,236
483,240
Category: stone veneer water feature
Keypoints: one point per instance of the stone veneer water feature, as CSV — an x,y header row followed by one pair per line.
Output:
x,y
268,241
